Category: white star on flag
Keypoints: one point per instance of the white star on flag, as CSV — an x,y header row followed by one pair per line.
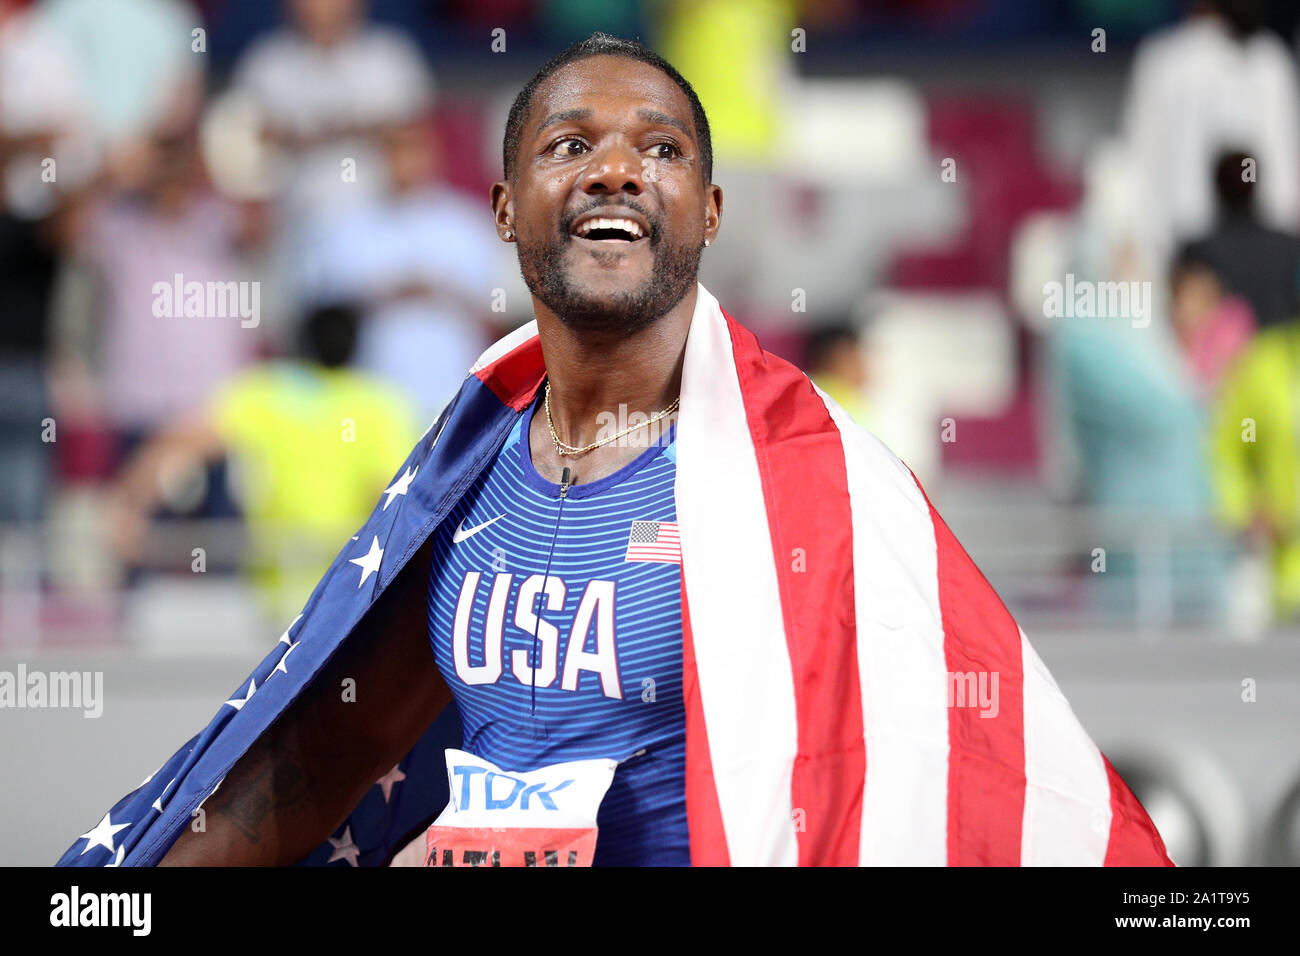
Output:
x,y
435,437
239,702
117,860
157,801
284,638
102,833
344,848
399,487
280,666
388,780
369,562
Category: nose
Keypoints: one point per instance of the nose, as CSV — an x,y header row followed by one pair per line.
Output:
x,y
614,167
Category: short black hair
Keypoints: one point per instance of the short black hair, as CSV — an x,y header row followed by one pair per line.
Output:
x,y
1187,258
1245,18
328,335
1234,190
825,339
602,44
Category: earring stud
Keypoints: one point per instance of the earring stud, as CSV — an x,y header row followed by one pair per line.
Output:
x,y
509,233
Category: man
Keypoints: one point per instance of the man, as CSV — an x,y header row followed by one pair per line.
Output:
x,y
1255,457
159,357
751,670
311,441
1216,77
1251,258
426,300
325,86
835,361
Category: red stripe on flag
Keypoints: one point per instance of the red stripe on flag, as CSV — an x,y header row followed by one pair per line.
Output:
x,y
1134,840
801,465
703,812
515,377
986,755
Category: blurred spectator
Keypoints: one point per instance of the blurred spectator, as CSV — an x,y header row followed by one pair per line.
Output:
x,y
1213,80
325,86
46,141
137,68
177,313
1256,454
1212,326
1134,412
27,267
423,260
313,444
41,107
836,364
1259,263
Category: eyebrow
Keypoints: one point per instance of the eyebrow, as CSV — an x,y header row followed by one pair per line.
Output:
x,y
654,116
649,116
564,116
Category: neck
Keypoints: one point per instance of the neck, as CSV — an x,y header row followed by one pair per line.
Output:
x,y
591,374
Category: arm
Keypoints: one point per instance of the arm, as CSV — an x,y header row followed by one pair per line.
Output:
x,y
137,491
303,776
1232,463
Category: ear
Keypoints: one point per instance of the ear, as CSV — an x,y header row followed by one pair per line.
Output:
x,y
712,211
503,209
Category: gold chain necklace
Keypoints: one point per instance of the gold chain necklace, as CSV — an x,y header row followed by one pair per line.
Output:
x,y
566,449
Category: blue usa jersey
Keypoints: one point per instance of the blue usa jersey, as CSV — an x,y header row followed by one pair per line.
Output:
x,y
556,622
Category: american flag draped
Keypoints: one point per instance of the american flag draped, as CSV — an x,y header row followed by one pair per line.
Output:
x,y
827,615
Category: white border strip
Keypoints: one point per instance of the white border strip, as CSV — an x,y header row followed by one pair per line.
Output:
x,y
901,665
504,345
743,664
1067,796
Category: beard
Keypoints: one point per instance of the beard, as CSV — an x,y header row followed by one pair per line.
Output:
x,y
674,271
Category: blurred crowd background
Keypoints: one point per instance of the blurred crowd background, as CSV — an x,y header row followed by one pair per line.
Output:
x,y
1047,251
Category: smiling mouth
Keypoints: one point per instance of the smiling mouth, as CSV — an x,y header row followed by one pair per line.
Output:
x,y
613,232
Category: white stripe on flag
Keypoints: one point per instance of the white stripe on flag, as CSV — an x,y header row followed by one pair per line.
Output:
x,y
505,345
901,665
1067,797
743,663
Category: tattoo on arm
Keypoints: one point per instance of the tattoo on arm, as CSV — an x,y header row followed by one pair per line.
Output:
x,y
278,785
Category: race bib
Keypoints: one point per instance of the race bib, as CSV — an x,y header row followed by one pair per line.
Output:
x,y
543,817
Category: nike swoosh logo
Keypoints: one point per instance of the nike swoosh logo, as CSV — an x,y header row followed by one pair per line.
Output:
x,y
462,532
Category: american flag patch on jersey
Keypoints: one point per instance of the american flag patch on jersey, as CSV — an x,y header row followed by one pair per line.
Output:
x,y
654,541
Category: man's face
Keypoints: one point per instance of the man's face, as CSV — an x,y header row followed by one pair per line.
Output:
x,y
325,21
610,138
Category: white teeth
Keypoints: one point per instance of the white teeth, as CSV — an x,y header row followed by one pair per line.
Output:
x,y
625,224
